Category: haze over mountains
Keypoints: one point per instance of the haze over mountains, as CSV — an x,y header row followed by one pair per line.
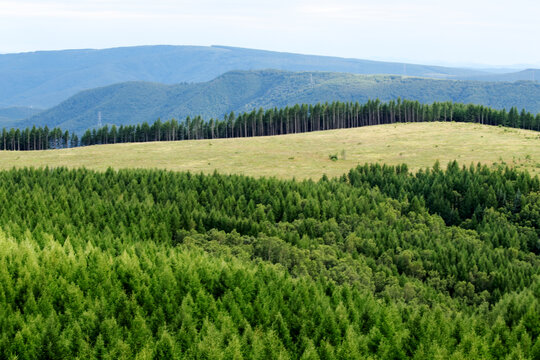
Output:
x,y
11,115
45,78
134,84
527,74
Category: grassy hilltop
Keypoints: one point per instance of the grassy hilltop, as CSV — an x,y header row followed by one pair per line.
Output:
x,y
308,155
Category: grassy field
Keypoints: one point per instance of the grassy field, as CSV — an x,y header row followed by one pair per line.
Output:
x,y
308,155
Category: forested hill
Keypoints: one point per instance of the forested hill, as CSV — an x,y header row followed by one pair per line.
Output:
x,y
137,102
46,78
378,264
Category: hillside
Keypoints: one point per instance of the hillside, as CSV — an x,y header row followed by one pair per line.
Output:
x,y
46,78
307,155
136,102
10,117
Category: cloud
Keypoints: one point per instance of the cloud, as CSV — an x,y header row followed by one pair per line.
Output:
x,y
26,9
99,10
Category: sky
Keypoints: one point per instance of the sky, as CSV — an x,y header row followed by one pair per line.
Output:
x,y
459,32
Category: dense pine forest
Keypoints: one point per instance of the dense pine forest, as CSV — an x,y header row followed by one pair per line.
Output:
x,y
288,120
379,263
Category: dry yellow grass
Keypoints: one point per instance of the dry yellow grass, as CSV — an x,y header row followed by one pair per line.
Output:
x,y
307,155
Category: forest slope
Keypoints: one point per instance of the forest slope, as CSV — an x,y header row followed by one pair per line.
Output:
x,y
307,155
137,102
378,264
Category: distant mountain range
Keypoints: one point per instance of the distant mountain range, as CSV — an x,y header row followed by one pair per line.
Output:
x,y
135,102
44,79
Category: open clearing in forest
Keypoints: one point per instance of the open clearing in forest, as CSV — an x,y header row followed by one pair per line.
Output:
x,y
307,155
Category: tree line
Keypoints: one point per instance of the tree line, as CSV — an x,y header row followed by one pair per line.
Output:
x,y
306,117
288,120
166,265
37,138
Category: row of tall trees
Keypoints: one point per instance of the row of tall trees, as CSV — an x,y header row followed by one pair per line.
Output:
x,y
37,138
288,120
305,118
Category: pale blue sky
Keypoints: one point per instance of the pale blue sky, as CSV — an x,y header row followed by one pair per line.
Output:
x,y
457,32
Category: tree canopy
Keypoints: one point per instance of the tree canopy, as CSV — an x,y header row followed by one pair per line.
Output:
x,y
380,263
